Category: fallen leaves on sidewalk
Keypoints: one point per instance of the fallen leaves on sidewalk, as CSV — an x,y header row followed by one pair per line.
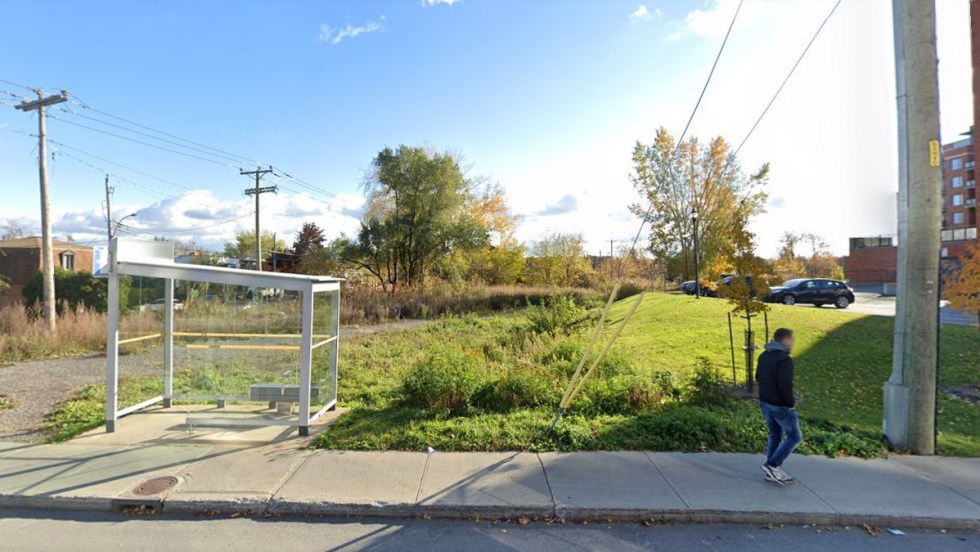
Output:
x,y
871,530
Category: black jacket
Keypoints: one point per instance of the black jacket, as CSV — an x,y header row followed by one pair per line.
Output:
x,y
775,376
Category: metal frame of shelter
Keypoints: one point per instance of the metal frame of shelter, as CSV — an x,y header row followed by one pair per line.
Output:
x,y
153,259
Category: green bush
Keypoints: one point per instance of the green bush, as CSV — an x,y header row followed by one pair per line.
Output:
x,y
517,389
628,289
625,394
76,289
444,379
562,317
706,386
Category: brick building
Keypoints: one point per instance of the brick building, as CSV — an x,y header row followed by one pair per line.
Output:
x,y
871,260
20,260
959,195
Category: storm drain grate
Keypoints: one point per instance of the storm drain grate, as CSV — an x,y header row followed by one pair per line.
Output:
x,y
156,485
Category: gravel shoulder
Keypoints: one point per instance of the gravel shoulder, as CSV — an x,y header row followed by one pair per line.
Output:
x,y
37,387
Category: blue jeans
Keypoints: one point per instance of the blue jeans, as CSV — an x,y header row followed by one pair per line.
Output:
x,y
782,422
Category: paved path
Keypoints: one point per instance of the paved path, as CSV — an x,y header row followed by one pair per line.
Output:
x,y
216,476
877,304
37,387
93,532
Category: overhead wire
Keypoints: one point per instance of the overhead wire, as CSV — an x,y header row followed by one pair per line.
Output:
x,y
579,377
788,75
120,165
185,154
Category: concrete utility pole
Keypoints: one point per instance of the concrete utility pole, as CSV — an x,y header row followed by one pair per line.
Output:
x,y
108,207
258,191
910,393
47,248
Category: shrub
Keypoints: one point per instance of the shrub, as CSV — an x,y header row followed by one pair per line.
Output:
x,y
706,386
625,394
443,380
517,389
563,316
628,289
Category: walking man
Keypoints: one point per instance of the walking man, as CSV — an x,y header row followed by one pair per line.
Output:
x,y
775,377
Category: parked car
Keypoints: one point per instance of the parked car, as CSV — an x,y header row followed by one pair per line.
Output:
x,y
688,287
813,291
159,304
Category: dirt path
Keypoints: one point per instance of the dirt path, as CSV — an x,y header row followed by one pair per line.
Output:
x,y
38,386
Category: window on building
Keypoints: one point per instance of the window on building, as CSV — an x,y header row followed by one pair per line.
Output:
x,y
67,260
971,233
957,200
956,164
957,218
957,182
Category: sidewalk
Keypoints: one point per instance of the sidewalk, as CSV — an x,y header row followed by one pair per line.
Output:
x,y
277,478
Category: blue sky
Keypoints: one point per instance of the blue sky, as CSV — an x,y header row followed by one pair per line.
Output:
x,y
545,97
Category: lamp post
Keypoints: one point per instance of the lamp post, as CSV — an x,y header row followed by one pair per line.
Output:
x,y
697,277
119,222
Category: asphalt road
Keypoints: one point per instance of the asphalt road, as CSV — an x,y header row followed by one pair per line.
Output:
x,y
873,303
29,531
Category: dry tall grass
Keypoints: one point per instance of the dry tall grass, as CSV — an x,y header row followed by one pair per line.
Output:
x,y
24,338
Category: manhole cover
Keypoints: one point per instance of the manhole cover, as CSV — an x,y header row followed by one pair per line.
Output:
x,y
155,486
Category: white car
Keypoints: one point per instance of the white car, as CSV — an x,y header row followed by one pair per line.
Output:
x,y
159,304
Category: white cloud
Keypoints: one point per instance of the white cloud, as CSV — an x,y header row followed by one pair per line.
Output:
x,y
429,3
203,218
642,13
713,20
338,35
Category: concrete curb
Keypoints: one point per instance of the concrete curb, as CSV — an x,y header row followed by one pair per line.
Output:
x,y
274,507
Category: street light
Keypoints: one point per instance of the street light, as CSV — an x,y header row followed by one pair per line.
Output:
x,y
119,223
697,278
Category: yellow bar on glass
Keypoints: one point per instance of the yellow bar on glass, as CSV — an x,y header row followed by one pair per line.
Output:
x,y
140,338
324,342
203,334
247,347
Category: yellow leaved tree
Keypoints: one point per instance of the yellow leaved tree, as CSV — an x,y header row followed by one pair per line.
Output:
x,y
962,288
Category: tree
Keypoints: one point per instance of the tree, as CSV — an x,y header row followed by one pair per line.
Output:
x,y
791,263
559,260
501,260
76,290
707,178
417,214
12,231
244,245
309,240
962,287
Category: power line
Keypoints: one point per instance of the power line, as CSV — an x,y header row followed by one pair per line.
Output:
x,y
173,230
28,88
788,75
114,176
697,104
120,165
185,154
152,137
84,105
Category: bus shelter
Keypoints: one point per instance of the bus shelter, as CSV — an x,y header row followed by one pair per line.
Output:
x,y
191,334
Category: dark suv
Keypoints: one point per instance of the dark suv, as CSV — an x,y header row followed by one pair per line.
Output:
x,y
814,291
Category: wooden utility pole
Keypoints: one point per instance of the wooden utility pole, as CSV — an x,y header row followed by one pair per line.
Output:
x,y
108,207
47,248
910,393
258,191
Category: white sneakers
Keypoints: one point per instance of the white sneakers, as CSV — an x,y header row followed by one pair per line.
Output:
x,y
776,474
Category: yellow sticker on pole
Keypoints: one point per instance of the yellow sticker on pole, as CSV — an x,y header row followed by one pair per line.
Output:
x,y
933,153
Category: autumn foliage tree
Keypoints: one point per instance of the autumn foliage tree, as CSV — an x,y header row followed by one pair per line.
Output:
x,y
704,177
962,288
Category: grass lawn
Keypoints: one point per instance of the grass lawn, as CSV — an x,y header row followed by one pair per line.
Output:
x,y
505,382
843,359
